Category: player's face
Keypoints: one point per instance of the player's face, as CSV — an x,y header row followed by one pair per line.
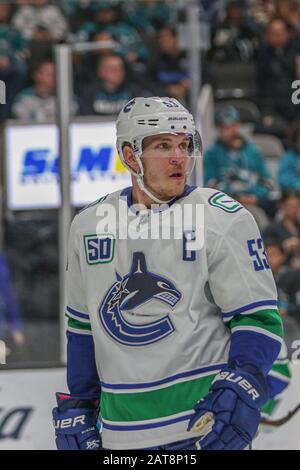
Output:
x,y
165,160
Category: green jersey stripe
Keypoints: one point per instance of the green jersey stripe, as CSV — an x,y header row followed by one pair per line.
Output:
x,y
155,404
282,369
269,407
268,320
78,324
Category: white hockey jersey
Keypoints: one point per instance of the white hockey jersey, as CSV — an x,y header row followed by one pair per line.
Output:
x,y
164,319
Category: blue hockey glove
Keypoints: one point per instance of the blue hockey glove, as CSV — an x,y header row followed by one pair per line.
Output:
x,y
228,417
75,420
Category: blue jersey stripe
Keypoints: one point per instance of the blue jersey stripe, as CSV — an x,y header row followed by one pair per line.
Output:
x,y
85,316
261,303
136,427
213,368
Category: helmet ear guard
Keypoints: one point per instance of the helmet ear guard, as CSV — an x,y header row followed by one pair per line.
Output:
x,y
137,159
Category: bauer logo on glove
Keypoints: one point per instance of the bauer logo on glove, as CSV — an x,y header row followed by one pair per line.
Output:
x,y
242,382
69,422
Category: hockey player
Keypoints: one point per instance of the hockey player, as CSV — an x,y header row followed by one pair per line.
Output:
x,y
169,347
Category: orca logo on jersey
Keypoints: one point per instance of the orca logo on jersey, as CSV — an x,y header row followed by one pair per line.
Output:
x,y
136,288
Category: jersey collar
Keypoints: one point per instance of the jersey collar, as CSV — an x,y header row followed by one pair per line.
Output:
x,y
126,193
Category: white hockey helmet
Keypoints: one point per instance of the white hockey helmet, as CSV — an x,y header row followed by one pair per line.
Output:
x,y
144,117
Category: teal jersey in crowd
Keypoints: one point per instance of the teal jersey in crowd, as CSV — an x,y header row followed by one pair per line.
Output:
x,y
129,40
12,43
289,171
236,172
28,105
148,18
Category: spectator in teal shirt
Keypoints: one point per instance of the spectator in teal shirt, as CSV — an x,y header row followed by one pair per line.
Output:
x,y
108,16
234,165
289,167
13,53
149,15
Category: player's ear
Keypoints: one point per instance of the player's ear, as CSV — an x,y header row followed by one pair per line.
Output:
x,y
130,158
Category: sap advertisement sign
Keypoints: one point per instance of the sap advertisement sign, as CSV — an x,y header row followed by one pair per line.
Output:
x,y
32,164
26,401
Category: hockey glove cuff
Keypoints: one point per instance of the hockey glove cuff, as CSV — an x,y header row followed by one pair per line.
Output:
x,y
75,423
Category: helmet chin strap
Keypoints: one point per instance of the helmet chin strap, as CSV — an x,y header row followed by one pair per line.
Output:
x,y
141,184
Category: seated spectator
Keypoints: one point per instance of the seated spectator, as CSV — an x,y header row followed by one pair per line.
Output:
x,y
11,40
286,277
13,68
42,25
111,90
37,20
104,37
262,11
38,102
276,70
277,260
285,229
289,283
85,68
169,67
289,166
107,16
11,327
85,64
235,38
289,11
76,11
147,16
234,165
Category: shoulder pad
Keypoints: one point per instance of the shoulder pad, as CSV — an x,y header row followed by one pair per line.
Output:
x,y
98,201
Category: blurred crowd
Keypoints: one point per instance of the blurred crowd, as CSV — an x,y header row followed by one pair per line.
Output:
x,y
252,63
136,51
235,165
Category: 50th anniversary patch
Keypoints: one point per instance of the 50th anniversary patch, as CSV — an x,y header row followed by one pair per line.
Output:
x,y
99,249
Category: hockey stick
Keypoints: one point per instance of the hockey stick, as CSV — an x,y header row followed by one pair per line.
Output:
x,y
280,421
206,422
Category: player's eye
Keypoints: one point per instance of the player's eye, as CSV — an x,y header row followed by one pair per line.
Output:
x,y
184,146
163,146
